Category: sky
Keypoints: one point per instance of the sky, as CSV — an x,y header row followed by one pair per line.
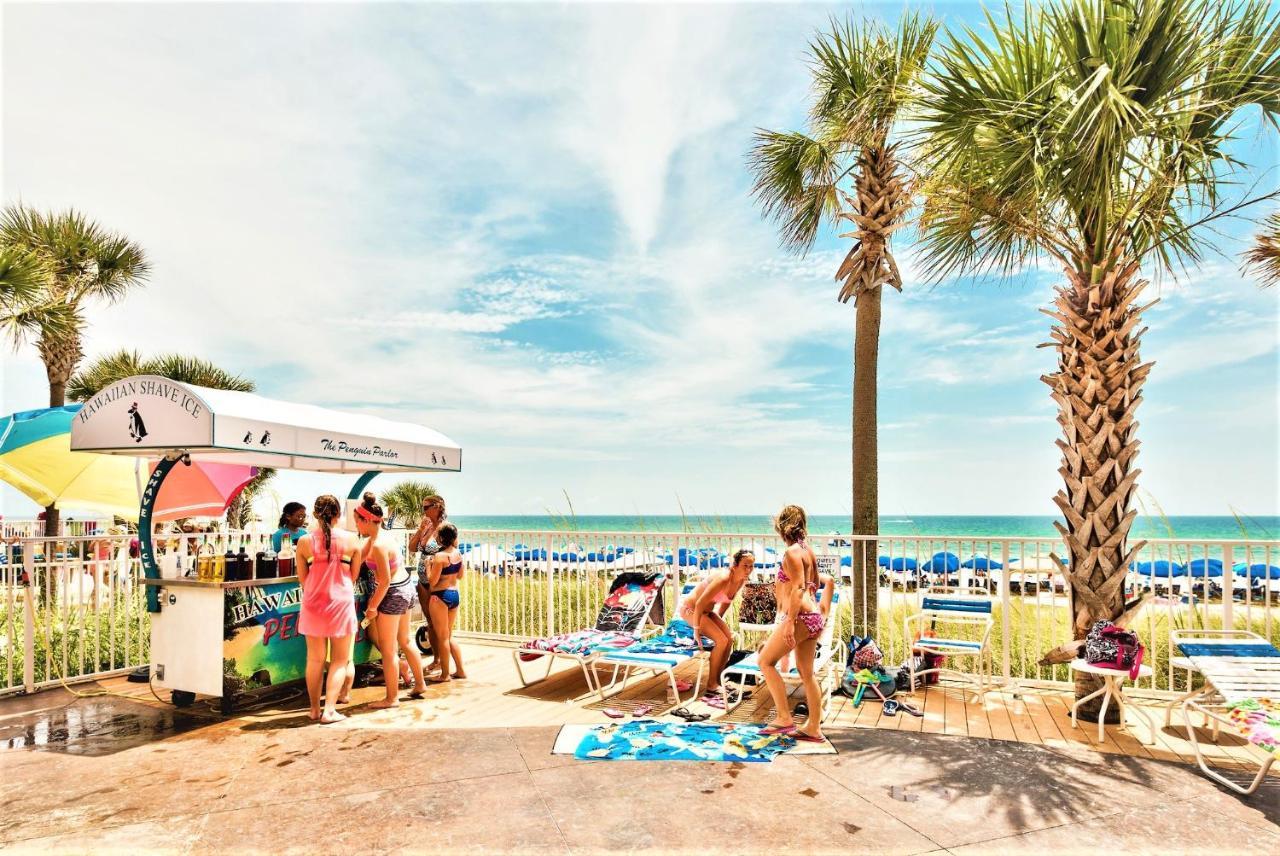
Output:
x,y
530,227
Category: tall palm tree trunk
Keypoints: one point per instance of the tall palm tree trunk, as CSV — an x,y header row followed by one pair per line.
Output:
x,y
866,489
1097,388
61,355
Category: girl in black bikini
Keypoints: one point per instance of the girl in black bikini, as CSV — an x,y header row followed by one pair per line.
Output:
x,y
443,574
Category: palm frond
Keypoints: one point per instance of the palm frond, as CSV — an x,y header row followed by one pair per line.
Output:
x,y
110,368
403,501
1264,257
85,260
103,372
1104,120
795,182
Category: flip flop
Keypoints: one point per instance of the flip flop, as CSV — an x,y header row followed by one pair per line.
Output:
x,y
683,686
613,713
642,710
902,705
808,738
890,707
771,730
689,716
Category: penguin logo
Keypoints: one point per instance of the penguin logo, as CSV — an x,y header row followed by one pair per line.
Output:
x,y
248,438
266,438
137,430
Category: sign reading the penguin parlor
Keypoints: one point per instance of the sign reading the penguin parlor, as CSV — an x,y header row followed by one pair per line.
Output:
x,y
142,413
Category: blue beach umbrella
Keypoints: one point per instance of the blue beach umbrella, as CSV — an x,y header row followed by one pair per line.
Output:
x,y
1204,568
1160,568
1257,571
942,563
899,564
981,563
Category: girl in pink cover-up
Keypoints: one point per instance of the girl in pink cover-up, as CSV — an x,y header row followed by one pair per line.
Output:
x,y
327,567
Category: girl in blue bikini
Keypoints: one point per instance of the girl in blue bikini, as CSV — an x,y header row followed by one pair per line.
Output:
x,y
443,573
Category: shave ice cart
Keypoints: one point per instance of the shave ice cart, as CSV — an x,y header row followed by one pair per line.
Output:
x,y
224,637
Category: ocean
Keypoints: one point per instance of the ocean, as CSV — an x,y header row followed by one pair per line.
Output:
x,y
952,526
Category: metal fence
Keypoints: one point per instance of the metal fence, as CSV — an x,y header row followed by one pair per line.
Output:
x,y
71,609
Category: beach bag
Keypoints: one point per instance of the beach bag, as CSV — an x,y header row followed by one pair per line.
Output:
x,y
864,653
758,604
1110,646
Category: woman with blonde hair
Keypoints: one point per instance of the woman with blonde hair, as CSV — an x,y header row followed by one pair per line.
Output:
x,y
799,626
328,561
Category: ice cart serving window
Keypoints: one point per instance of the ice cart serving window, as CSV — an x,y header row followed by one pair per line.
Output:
x,y
219,633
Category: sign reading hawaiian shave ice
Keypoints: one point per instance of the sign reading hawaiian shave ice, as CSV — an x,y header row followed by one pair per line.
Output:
x,y
143,413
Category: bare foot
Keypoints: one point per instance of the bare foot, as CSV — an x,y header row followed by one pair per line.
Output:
x,y
313,715
343,700
383,704
438,679
331,716
418,692
462,676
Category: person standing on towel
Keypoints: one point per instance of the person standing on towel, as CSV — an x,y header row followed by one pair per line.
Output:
x,y
704,609
328,562
799,626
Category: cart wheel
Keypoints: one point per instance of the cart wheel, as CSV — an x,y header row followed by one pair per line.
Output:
x,y
422,640
182,698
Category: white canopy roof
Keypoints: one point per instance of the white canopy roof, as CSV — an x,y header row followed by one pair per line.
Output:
x,y
149,416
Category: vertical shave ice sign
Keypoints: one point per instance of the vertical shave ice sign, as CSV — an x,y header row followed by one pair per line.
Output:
x,y
143,413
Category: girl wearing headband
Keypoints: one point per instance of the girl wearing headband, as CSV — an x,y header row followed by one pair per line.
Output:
x,y
393,596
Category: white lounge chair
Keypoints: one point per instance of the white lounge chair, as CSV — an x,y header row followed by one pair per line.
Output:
x,y
1238,667
828,665
619,624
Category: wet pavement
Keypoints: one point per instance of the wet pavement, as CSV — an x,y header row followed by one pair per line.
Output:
x,y
109,774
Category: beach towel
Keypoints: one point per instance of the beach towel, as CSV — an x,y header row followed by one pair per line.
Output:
x,y
650,740
1258,719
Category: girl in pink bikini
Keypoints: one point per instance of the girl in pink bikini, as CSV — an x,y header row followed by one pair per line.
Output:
x,y
392,596
328,561
704,609
798,629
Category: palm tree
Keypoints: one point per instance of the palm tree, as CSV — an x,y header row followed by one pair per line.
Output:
x,y
1093,133
108,369
403,502
848,171
1264,256
82,262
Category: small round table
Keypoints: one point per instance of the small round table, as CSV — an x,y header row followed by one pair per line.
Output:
x,y
1112,688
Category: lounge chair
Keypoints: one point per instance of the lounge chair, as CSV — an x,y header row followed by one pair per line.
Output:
x,y
828,665
661,654
624,619
1242,690
952,611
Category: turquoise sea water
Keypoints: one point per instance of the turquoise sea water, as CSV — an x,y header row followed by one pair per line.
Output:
x,y
1182,527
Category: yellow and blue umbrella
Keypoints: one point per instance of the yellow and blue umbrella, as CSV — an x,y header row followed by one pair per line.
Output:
x,y
36,458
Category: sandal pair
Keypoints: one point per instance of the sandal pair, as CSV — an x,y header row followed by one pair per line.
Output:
x,y
689,716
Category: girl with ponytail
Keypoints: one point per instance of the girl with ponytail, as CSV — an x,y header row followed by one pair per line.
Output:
x,y
327,566
392,596
799,626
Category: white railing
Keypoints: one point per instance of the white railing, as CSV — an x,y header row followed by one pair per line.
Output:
x,y
70,608
17,529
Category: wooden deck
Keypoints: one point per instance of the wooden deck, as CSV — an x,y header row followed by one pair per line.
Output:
x,y
492,697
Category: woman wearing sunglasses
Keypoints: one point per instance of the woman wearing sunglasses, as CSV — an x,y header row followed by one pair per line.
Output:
x,y
422,543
